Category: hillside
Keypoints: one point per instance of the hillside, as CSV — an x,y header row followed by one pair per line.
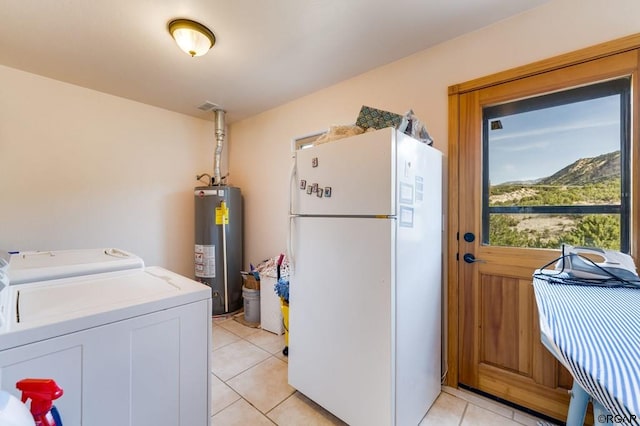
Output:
x,y
586,170
587,181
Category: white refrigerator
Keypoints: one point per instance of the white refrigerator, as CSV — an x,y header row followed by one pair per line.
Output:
x,y
365,289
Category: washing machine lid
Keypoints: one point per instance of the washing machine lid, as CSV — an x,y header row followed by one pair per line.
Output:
x,y
32,266
52,308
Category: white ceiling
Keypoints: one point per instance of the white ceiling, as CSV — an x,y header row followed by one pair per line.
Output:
x,y
267,52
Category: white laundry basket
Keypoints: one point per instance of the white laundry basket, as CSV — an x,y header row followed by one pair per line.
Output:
x,y
270,311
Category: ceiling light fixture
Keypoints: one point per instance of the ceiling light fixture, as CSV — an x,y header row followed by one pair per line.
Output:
x,y
191,36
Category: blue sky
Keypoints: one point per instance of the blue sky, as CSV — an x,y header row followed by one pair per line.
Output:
x,y
537,144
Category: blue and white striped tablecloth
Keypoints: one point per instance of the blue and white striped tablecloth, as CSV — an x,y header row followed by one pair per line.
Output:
x,y
596,334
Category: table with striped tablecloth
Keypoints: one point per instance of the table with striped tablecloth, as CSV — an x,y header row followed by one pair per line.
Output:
x,y
595,332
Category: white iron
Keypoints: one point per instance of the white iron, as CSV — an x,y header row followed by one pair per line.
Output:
x,y
616,265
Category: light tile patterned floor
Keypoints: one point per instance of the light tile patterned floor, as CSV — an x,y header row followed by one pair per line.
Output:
x,y
249,387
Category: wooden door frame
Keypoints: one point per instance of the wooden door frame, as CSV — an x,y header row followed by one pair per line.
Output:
x,y
602,50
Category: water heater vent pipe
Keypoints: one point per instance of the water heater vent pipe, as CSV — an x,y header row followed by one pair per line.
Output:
x,y
220,134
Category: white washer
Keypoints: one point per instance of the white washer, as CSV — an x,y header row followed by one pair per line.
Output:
x,y
129,346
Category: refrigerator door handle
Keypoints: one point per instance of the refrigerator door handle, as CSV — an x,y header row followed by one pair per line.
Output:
x,y
290,247
292,187
292,192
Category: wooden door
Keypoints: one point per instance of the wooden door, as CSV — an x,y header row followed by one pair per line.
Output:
x,y
499,341
498,349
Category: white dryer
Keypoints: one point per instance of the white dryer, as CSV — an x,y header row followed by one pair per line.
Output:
x,y
31,266
129,345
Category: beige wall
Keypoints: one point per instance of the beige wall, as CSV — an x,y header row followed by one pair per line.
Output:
x,y
80,169
260,156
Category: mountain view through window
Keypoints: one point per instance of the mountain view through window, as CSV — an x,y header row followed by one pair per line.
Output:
x,y
556,169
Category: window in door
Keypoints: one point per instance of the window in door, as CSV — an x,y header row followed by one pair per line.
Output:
x,y
557,169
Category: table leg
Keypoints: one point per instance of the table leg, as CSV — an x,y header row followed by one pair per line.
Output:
x,y
601,413
577,406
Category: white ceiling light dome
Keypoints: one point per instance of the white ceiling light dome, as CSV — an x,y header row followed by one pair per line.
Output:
x,y
192,37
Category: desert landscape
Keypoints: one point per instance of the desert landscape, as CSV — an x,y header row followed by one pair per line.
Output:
x,y
585,182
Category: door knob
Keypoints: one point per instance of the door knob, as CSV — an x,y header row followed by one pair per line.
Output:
x,y
470,258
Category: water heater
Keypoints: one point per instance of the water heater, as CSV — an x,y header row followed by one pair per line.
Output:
x,y
218,245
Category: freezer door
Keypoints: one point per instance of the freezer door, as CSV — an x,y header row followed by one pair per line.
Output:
x,y
341,316
351,176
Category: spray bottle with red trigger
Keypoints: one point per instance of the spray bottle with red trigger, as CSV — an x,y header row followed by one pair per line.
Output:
x,y
42,393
